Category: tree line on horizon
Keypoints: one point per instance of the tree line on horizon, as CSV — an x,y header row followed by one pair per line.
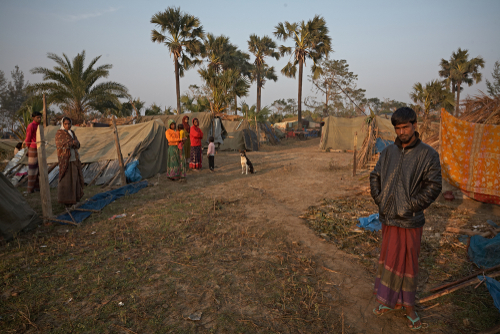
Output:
x,y
226,73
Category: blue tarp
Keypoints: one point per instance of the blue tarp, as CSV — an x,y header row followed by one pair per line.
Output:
x,y
485,252
494,289
380,144
132,172
370,223
99,201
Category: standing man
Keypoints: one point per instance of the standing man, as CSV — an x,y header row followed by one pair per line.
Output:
x,y
405,181
33,180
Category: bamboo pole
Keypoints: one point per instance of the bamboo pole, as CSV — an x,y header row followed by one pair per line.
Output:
x,y
45,118
465,278
44,175
119,154
355,148
258,132
454,288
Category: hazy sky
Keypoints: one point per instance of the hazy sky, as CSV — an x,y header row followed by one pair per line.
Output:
x,y
389,44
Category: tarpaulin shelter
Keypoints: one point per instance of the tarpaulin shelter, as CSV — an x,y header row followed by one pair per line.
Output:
x,y
146,142
239,136
15,214
8,144
338,132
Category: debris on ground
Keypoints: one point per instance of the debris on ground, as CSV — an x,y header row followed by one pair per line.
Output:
x,y
123,215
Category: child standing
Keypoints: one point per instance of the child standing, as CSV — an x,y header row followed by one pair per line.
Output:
x,y
211,153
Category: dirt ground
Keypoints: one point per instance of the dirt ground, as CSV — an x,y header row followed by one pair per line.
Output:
x,y
290,178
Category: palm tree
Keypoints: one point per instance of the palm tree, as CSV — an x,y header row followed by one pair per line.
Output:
x,y
460,69
184,41
311,42
222,55
432,96
261,48
73,88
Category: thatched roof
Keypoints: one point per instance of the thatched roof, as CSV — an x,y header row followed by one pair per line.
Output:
x,y
482,109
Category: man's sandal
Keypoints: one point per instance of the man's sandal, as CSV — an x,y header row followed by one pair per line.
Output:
x,y
413,321
377,311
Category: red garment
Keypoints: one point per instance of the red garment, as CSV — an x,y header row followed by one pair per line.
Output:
x,y
185,123
31,134
195,136
396,279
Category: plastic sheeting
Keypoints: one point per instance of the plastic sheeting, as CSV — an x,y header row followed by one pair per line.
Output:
x,y
370,223
380,144
99,201
494,289
132,173
15,214
485,252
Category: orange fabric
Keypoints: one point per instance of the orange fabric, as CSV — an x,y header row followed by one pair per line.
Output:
x,y
172,137
470,157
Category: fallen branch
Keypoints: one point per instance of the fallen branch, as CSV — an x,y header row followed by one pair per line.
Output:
x,y
479,272
469,232
454,288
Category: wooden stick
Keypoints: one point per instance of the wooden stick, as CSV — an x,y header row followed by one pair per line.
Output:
x,y
355,148
60,221
428,308
117,173
479,272
44,175
468,232
45,118
99,173
119,154
69,213
454,288
87,210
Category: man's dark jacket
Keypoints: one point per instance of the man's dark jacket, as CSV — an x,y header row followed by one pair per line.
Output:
x,y
406,181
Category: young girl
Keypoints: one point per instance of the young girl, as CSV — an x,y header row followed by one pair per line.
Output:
x,y
211,154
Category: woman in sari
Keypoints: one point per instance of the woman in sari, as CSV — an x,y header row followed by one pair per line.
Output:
x,y
70,188
195,135
187,141
174,170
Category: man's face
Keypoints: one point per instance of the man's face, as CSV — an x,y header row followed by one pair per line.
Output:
x,y
38,119
405,132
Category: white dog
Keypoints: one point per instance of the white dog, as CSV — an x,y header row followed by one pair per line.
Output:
x,y
246,164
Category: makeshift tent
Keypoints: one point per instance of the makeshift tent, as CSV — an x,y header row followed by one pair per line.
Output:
x,y
8,144
338,133
239,136
16,215
205,119
146,142
378,134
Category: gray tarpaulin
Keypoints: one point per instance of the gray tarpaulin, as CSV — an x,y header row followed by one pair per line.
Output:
x,y
15,213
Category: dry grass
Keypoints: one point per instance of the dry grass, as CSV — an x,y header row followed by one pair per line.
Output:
x,y
165,261
442,259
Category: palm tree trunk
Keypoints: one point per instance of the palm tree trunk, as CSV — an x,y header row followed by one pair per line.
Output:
x,y
299,102
177,86
258,91
457,107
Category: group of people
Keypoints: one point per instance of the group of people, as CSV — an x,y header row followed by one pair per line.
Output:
x,y
405,181
70,187
184,148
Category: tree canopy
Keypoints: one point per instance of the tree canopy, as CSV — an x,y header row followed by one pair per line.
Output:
x,y
182,34
494,86
311,41
74,88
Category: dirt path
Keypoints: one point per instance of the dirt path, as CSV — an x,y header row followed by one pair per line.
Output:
x,y
289,179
